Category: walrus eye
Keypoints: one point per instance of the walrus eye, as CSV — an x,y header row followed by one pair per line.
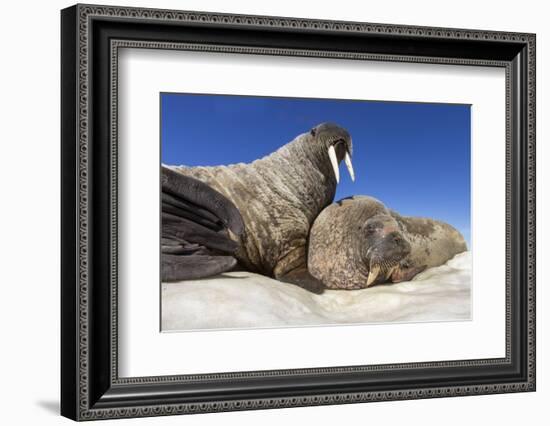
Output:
x,y
370,229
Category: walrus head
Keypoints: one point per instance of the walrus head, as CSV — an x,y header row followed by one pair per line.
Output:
x,y
383,247
336,142
355,243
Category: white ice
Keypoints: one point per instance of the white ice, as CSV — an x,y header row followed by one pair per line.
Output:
x,y
244,300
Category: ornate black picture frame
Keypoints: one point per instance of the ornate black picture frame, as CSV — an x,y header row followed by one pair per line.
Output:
x,y
91,388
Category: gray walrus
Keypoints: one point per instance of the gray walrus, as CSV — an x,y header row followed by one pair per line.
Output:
x,y
278,197
358,242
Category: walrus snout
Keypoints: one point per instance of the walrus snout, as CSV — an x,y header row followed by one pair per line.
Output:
x,y
385,256
337,142
331,132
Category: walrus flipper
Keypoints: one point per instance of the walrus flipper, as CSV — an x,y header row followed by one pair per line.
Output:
x,y
177,268
302,278
405,272
200,229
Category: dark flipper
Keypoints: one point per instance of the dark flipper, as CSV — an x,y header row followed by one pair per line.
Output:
x,y
406,273
199,196
180,229
177,268
301,277
196,220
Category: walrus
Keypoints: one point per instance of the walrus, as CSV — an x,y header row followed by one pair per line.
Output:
x,y
358,242
277,198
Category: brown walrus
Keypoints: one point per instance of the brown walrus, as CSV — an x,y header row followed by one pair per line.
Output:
x,y
278,197
358,242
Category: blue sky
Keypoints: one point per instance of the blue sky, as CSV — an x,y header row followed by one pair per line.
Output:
x,y
415,157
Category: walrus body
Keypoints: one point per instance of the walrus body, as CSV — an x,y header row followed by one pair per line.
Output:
x,y
432,242
358,242
279,196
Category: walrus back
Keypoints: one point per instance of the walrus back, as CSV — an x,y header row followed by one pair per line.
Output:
x,y
433,242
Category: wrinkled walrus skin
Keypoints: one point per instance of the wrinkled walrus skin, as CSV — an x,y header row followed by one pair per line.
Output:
x,y
280,195
358,242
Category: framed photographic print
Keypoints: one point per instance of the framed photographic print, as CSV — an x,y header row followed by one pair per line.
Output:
x,y
263,212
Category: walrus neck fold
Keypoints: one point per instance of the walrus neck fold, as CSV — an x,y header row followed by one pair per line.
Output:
x,y
306,161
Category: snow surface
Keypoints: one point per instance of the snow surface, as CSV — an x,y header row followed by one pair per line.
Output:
x,y
247,300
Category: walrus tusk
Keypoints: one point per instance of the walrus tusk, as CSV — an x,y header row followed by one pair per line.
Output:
x,y
391,271
373,274
347,158
334,162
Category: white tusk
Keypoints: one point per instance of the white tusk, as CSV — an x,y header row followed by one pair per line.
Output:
x,y
373,274
347,159
334,162
390,271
